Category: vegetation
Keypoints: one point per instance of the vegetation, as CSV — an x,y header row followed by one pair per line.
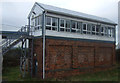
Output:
x,y
13,74
12,57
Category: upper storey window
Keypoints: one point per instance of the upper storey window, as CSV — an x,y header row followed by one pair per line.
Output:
x,y
89,28
111,32
38,22
97,29
93,29
62,25
76,26
68,25
106,31
52,23
65,25
73,26
84,28
102,31
79,27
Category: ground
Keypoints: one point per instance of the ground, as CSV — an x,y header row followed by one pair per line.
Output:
x,y
13,74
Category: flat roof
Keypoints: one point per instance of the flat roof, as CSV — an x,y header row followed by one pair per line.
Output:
x,y
63,11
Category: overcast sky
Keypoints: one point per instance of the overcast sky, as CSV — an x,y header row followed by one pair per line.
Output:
x,y
15,13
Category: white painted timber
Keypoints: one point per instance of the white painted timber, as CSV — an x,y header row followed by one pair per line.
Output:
x,y
78,35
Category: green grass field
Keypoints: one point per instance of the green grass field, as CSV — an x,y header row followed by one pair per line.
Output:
x,y
13,74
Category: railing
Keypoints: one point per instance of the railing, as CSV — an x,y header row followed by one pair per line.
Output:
x,y
8,41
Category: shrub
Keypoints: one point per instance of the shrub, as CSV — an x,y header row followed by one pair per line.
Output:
x,y
12,57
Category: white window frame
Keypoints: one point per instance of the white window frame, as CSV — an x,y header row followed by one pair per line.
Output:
x,y
51,26
78,28
37,23
75,28
97,33
89,31
94,30
61,26
83,29
67,28
113,32
102,32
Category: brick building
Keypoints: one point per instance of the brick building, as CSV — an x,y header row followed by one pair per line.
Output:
x,y
68,43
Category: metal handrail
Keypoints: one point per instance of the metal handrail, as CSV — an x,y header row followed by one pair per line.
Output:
x,y
7,42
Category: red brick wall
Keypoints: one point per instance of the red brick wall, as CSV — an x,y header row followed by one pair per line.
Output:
x,y
68,57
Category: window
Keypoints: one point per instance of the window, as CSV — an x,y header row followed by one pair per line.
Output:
x,y
84,28
73,26
54,24
48,24
93,29
111,32
97,29
51,23
67,25
79,26
36,21
106,31
88,28
38,24
102,31
48,21
62,25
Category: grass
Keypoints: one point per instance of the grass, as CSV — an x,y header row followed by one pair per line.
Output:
x,y
110,75
13,74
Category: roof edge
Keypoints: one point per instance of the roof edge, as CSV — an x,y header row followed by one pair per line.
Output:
x,y
82,17
36,3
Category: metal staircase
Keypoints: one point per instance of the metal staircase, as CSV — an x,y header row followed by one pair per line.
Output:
x,y
7,44
14,38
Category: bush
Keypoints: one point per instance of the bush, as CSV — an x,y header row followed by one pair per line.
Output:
x,y
12,57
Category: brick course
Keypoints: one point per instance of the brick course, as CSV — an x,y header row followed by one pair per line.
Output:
x,y
68,57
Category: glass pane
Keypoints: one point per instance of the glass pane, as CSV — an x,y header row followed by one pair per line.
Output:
x,y
88,27
79,25
102,29
62,23
61,29
35,21
84,32
84,26
93,33
93,27
67,30
54,21
48,20
67,24
73,24
40,20
113,32
78,30
54,28
48,28
106,31
97,28
73,30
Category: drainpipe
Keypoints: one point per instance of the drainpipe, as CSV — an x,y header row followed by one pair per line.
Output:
x,y
43,35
